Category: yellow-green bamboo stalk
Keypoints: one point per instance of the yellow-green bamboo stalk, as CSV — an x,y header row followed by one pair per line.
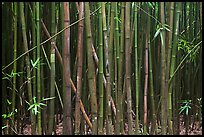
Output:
x,y
136,73
121,67
100,77
171,5
39,67
117,59
173,56
164,94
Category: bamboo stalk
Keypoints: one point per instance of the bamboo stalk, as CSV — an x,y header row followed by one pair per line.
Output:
x,y
79,68
25,44
91,70
15,6
67,109
163,74
100,78
136,73
52,73
128,67
59,57
39,65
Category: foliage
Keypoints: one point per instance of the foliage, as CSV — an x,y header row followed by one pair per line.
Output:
x,y
9,76
186,46
159,28
36,105
9,115
185,106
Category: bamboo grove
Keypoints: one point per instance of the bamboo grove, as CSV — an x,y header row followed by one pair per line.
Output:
x,y
101,67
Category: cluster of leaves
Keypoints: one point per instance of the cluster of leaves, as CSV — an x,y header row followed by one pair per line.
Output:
x,y
185,106
37,105
9,76
9,115
159,29
186,46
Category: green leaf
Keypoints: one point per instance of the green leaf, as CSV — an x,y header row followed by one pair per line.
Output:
x,y
150,5
116,18
162,42
44,99
42,104
9,102
31,106
34,64
182,109
4,127
34,100
5,78
167,29
157,33
4,115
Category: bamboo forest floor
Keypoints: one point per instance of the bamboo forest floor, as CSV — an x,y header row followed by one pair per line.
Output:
x,y
196,130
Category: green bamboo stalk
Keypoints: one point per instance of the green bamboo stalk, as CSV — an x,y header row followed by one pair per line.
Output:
x,y
163,74
39,67
136,72
121,67
111,64
79,68
34,44
15,6
128,67
100,77
168,67
110,44
52,79
152,102
173,54
91,69
67,123
190,34
108,86
25,44
117,60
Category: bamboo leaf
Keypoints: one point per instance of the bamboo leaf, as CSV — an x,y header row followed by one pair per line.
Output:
x,y
44,99
27,102
31,106
42,104
116,18
9,102
4,115
4,127
162,42
157,33
150,5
